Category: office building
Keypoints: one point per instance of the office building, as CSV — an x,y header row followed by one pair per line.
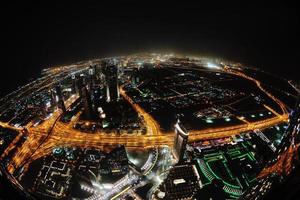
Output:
x,y
111,79
59,99
87,103
180,141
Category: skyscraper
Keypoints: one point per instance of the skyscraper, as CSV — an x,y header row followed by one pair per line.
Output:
x,y
59,99
180,141
85,96
74,89
87,103
294,126
53,97
79,85
134,77
92,77
111,78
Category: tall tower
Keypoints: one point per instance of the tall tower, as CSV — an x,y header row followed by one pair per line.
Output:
x,y
58,98
74,89
53,97
87,103
180,141
85,96
111,78
134,77
295,123
91,79
297,109
79,85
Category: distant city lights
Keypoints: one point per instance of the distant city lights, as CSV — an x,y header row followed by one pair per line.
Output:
x,y
212,66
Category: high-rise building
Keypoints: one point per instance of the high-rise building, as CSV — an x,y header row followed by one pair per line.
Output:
x,y
121,68
295,123
87,103
111,78
92,77
74,89
296,112
53,97
79,85
85,96
59,99
134,77
180,141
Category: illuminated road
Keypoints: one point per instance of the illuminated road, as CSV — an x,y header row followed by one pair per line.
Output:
x,y
152,125
63,135
284,162
283,166
52,133
258,84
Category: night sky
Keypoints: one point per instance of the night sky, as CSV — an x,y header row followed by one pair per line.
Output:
x,y
43,35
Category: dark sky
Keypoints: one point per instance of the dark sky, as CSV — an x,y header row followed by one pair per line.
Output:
x,y
41,35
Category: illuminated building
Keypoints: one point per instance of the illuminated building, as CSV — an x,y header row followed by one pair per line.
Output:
x,y
91,79
181,183
53,96
87,103
180,141
297,137
59,99
111,78
74,90
85,96
294,127
79,85
134,77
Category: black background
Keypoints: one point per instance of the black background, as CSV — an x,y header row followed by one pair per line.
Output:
x,y
40,35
